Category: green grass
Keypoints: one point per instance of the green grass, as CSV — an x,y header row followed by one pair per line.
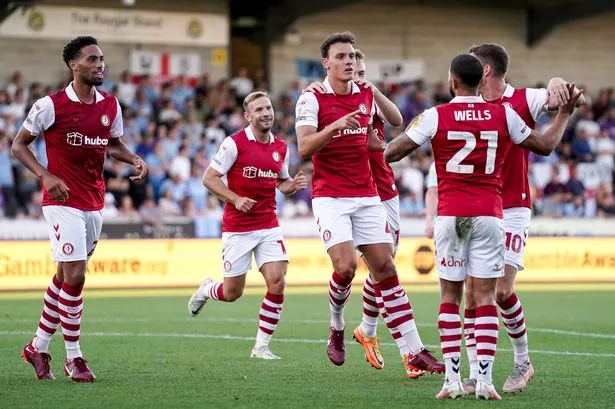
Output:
x,y
147,353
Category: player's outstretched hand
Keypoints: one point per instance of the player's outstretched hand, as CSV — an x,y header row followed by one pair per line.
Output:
x,y
299,181
316,86
56,187
348,121
244,204
365,83
141,168
569,106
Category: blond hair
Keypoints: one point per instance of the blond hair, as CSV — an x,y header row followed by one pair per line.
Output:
x,y
253,96
359,54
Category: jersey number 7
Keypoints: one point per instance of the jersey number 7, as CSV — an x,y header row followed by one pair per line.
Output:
x,y
454,164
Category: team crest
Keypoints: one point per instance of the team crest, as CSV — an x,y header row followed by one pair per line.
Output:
x,y
67,249
326,235
104,119
276,156
363,109
507,104
227,265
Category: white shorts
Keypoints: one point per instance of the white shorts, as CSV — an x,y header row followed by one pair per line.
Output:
x,y
73,233
516,225
391,207
237,248
359,219
479,252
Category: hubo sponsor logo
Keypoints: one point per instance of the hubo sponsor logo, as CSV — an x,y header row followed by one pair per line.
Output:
x,y
77,139
251,172
453,262
360,131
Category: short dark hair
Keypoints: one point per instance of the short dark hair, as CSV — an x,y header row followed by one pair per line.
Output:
x,y
467,69
345,37
493,55
359,54
72,50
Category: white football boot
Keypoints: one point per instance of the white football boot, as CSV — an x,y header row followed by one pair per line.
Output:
x,y
198,299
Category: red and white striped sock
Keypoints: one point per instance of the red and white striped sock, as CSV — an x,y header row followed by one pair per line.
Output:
x,y
339,291
369,322
399,340
70,306
486,333
50,317
449,326
215,291
268,318
512,316
469,319
399,312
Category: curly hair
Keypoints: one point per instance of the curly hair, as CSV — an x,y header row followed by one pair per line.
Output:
x,y
72,50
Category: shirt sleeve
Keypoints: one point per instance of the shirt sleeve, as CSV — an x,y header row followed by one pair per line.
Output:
x,y
517,129
306,111
423,127
284,171
537,99
117,128
226,156
41,116
432,177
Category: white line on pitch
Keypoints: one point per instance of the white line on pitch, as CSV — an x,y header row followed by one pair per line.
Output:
x,y
289,340
307,322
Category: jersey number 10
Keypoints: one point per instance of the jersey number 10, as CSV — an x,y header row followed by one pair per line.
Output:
x,y
454,164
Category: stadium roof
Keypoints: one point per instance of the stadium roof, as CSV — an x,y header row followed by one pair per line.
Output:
x,y
272,18
268,20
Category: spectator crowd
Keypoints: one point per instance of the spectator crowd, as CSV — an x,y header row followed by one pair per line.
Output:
x,y
177,127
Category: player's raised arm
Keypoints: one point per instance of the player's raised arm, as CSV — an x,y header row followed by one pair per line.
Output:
x,y
542,144
421,129
220,165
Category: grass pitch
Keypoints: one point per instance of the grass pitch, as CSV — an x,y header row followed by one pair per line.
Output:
x,y
147,353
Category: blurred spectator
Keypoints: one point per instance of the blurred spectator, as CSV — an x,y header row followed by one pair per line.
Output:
x,y
177,128
126,90
109,210
117,182
605,150
554,195
127,210
581,149
606,200
242,84
180,164
7,182
409,205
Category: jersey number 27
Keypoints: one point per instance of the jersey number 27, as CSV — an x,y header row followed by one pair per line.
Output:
x,y
454,164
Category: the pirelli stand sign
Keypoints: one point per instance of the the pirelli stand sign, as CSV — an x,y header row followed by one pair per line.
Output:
x,y
185,262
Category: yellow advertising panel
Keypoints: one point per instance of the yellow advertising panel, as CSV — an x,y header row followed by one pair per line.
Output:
x,y
185,262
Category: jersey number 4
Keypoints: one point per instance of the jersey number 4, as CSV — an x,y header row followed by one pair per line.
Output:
x,y
454,164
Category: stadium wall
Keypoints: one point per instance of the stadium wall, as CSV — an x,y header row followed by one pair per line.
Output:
x,y
184,262
42,59
581,51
